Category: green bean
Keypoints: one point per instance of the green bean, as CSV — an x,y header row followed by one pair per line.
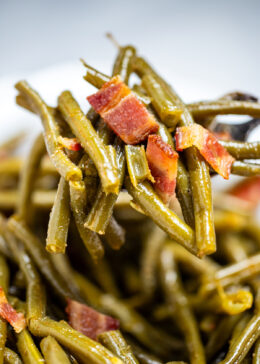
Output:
x,y
201,110
59,220
40,257
239,327
130,320
220,336
61,263
63,164
240,347
52,351
94,77
190,263
4,248
122,65
103,275
256,354
183,193
242,150
78,204
168,221
79,344
115,342
153,243
114,234
233,274
167,110
27,348
10,357
101,211
143,356
4,283
28,177
137,164
198,171
90,141
35,292
177,298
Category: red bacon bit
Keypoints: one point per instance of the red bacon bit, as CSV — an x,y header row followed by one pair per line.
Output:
x,y
214,153
248,190
8,313
162,160
123,112
89,321
69,143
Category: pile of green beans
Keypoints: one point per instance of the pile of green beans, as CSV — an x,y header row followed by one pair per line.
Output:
x,y
88,225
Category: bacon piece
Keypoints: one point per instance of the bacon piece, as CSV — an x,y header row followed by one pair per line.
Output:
x,y
123,112
162,160
89,321
214,153
70,143
248,190
8,313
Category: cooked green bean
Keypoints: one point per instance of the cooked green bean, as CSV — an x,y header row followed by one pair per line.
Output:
x,y
233,274
256,354
40,256
76,342
27,348
201,110
242,150
59,220
122,65
137,164
143,356
35,293
145,196
167,110
28,177
100,214
240,347
220,336
10,357
198,171
140,94
153,243
90,141
65,167
94,77
114,234
177,298
53,352
78,204
115,342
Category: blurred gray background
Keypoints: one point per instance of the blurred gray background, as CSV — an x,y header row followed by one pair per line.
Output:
x,y
205,42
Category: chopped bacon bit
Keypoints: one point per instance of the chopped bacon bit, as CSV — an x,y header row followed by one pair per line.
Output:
x,y
8,313
89,321
162,160
223,135
214,153
248,190
123,112
69,143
